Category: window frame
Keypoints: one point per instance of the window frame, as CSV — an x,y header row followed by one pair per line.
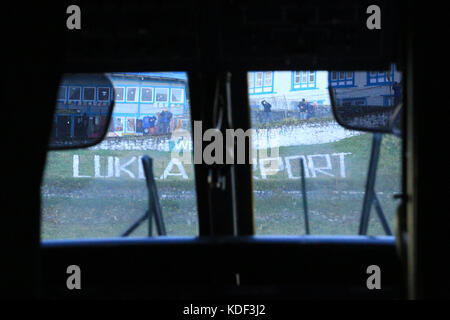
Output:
x,y
346,82
68,93
142,95
126,130
95,90
383,75
263,88
123,93
136,94
304,77
98,94
65,94
123,123
182,95
156,94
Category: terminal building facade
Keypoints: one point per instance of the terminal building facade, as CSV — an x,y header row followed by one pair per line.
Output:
x,y
136,96
140,96
285,89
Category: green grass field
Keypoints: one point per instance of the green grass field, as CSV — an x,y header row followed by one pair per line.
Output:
x,y
92,207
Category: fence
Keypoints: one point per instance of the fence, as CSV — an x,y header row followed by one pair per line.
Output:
x,y
259,116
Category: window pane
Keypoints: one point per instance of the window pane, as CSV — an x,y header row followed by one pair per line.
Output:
x,y
299,126
131,94
250,79
162,94
74,93
62,93
103,94
177,95
267,78
258,82
99,192
304,77
131,125
89,94
119,124
147,94
119,94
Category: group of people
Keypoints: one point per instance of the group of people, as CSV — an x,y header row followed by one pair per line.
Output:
x,y
159,124
307,109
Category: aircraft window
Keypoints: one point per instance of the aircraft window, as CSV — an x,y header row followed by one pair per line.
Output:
x,y
101,191
294,124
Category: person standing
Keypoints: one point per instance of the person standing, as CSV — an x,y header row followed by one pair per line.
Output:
x,y
267,110
309,110
151,125
160,122
84,126
302,108
397,87
168,119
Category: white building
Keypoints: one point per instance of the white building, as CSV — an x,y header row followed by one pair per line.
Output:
x,y
285,89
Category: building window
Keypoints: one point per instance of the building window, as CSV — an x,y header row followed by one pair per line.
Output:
x,y
118,124
381,77
131,94
119,94
131,125
267,79
260,82
103,94
88,94
177,95
162,94
74,93
354,102
302,80
250,80
62,93
147,94
340,79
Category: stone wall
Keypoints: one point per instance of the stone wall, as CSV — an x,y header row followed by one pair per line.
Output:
x,y
303,134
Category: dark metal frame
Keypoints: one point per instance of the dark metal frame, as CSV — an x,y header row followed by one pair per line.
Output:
x,y
154,207
370,197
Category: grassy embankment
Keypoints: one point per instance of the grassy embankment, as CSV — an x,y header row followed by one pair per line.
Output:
x,y
105,207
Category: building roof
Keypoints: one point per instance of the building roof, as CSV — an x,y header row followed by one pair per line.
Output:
x,y
155,75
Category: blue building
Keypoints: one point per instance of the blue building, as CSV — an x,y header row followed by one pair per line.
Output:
x,y
375,88
284,89
83,101
146,94
82,105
